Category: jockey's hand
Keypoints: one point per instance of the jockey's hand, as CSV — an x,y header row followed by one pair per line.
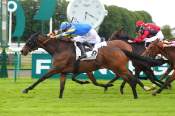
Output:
x,y
130,41
49,34
52,36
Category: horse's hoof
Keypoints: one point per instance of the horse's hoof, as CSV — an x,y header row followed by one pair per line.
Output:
x,y
105,89
60,97
25,91
169,86
146,88
86,82
121,91
135,97
158,92
109,85
154,93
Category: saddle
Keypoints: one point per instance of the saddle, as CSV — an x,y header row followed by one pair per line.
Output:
x,y
84,48
90,51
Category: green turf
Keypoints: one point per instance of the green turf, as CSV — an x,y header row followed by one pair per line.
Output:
x,y
80,100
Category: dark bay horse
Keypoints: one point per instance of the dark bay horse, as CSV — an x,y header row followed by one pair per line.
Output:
x,y
169,52
139,65
64,60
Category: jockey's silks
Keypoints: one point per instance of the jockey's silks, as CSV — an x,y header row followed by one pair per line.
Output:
x,y
79,29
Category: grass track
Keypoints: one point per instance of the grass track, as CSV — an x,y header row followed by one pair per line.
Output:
x,y
80,100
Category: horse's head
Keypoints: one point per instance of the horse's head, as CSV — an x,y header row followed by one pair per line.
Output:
x,y
154,48
33,43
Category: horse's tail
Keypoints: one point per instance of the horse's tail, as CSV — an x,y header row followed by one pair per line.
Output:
x,y
136,57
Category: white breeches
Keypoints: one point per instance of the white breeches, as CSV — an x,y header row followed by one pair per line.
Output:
x,y
159,36
91,37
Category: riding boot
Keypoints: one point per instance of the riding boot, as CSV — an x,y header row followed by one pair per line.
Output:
x,y
83,52
88,45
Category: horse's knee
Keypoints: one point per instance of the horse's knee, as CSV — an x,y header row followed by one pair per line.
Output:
x,y
133,81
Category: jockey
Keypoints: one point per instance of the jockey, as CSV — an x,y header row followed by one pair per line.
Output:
x,y
147,32
80,32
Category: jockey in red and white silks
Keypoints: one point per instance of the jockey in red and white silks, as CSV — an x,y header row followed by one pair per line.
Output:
x,y
148,32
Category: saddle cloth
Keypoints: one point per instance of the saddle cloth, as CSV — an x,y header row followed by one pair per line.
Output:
x,y
91,55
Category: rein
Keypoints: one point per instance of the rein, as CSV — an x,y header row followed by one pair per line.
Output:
x,y
44,42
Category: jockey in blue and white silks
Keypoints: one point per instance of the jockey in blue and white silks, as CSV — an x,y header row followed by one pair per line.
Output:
x,y
81,32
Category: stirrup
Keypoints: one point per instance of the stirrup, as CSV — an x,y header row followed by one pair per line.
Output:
x,y
82,56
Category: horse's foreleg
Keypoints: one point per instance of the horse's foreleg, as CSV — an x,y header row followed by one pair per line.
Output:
x,y
152,78
137,72
166,73
62,84
127,77
78,81
50,73
92,78
132,82
111,81
137,75
170,68
167,82
122,87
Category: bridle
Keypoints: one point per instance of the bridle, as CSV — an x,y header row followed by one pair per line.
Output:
x,y
42,43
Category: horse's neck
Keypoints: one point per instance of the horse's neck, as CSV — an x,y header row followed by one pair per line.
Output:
x,y
123,38
57,46
138,48
167,52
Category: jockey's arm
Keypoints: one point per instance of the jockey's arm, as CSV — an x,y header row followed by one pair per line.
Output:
x,y
141,37
68,33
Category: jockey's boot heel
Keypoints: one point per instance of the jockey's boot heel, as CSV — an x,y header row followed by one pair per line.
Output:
x,y
83,56
83,52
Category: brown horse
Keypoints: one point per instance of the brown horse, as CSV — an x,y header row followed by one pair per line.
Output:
x,y
64,60
139,66
155,48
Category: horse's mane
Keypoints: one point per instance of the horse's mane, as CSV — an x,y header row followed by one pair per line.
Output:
x,y
120,35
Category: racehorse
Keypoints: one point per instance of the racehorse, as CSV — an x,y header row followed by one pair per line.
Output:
x,y
64,60
139,66
155,48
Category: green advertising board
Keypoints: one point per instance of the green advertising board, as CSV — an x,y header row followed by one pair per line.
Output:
x,y
41,63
